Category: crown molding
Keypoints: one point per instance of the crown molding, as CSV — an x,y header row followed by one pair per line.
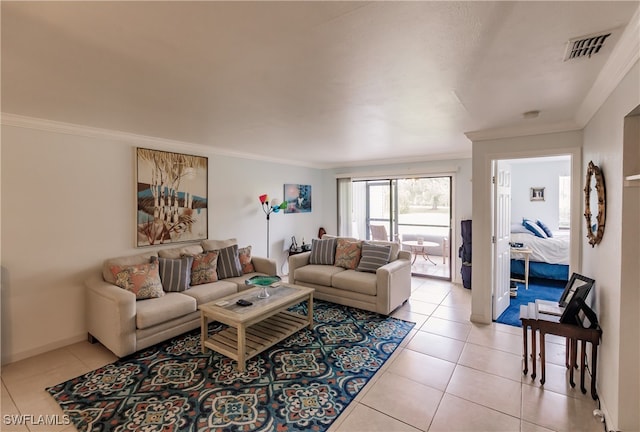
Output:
x,y
16,120
404,160
524,130
623,57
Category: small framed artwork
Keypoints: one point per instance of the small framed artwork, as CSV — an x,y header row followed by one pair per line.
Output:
x,y
298,198
536,194
171,195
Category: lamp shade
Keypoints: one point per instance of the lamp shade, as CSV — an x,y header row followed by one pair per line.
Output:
x,y
263,198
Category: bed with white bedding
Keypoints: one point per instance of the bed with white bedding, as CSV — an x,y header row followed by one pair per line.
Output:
x,y
549,257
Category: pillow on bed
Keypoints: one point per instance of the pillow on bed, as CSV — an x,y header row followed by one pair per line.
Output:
x,y
518,228
534,228
545,228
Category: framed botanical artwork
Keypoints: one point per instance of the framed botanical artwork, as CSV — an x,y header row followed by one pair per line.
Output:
x,y
537,194
171,196
298,198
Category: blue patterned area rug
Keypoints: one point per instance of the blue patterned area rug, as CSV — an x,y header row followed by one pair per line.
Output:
x,y
301,384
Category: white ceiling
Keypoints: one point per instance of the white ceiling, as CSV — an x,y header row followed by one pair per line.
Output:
x,y
320,83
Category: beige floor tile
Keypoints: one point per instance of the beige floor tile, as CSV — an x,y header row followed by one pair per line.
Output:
x,y
365,419
92,355
530,427
554,353
452,313
10,423
413,317
459,299
557,380
455,414
507,328
418,306
447,328
492,361
423,368
558,412
436,346
430,293
500,394
488,336
39,364
404,399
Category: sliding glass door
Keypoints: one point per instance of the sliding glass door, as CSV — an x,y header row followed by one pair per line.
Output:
x,y
415,212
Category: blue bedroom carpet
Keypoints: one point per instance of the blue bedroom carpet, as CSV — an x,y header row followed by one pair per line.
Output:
x,y
538,289
301,384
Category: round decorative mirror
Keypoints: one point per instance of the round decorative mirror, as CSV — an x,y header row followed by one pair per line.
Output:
x,y
594,201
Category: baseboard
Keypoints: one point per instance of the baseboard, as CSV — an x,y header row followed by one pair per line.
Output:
x,y
14,357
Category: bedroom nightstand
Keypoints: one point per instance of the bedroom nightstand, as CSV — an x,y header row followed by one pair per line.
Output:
x,y
526,253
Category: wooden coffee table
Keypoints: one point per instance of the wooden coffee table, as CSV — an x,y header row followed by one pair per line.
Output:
x,y
253,329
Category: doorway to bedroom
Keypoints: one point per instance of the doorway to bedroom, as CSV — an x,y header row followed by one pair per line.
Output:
x,y
539,230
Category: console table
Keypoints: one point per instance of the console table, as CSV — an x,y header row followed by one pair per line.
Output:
x,y
549,324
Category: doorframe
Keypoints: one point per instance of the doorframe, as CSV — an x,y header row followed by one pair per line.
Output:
x,y
481,292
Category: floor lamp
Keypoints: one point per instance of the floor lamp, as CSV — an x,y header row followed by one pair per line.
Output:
x,y
267,208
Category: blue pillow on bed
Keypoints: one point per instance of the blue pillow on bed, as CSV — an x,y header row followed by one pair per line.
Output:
x,y
545,228
534,228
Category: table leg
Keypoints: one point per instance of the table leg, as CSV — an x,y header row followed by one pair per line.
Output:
x,y
574,350
583,354
594,359
204,331
525,357
534,353
567,352
241,347
310,311
542,358
526,271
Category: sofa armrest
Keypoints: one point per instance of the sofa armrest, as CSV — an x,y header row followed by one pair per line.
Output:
x,y
393,284
265,265
297,261
111,315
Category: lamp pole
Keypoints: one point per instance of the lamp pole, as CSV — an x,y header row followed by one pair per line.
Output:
x,y
268,209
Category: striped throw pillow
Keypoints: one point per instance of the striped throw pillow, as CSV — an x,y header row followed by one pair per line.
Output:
x,y
229,262
373,257
323,251
175,273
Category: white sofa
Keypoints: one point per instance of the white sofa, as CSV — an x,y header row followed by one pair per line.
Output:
x,y
383,291
125,325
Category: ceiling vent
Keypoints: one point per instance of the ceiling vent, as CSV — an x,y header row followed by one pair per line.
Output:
x,y
585,46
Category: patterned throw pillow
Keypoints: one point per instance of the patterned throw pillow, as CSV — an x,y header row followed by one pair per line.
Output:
x,y
323,251
204,268
175,274
373,257
229,263
244,254
348,253
142,279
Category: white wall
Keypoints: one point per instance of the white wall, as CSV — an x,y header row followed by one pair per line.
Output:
x,y
68,203
537,173
617,297
459,169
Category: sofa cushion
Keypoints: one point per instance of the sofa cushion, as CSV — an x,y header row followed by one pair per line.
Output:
x,y
323,251
229,262
348,253
373,257
158,310
204,268
175,274
123,262
395,248
178,252
212,291
210,245
141,279
244,254
355,281
316,274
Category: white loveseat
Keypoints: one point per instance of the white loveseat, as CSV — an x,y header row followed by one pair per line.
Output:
x,y
381,291
125,325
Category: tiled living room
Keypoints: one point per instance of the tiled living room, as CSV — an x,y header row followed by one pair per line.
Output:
x,y
449,375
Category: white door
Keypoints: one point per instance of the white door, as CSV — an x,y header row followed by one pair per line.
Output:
x,y
501,237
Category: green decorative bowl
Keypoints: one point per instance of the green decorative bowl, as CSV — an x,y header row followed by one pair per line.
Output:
x,y
262,280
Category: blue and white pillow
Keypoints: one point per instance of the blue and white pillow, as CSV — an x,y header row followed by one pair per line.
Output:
x,y
545,228
534,228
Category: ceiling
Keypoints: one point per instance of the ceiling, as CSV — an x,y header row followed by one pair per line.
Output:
x,y
322,84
